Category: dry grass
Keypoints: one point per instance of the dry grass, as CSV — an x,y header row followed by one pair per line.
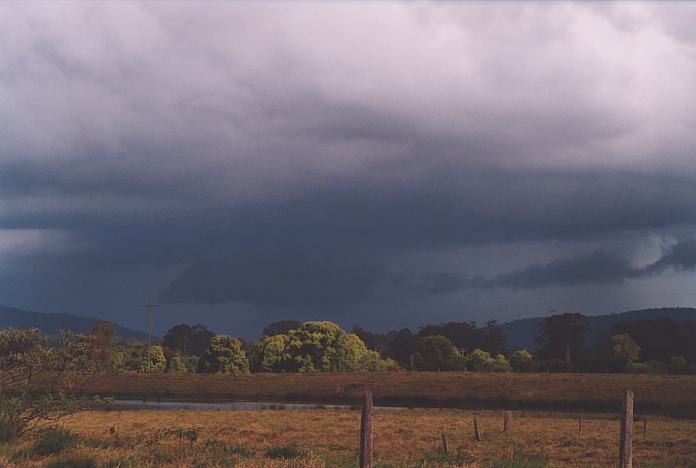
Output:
x,y
402,438
665,394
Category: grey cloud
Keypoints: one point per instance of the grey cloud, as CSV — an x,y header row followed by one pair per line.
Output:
x,y
276,279
680,256
598,267
287,156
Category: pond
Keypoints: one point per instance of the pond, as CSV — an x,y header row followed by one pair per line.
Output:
x,y
233,405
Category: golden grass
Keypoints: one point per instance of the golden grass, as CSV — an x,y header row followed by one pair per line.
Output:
x,y
669,394
402,438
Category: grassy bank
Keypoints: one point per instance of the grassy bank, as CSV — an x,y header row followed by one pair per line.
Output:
x,y
329,438
655,394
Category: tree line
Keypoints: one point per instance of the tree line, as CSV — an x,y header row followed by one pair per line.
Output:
x,y
641,346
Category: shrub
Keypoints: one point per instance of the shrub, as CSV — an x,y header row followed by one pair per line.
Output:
x,y
53,440
176,366
500,364
10,412
479,360
648,367
191,363
285,451
118,362
677,365
522,361
98,443
73,462
218,449
157,361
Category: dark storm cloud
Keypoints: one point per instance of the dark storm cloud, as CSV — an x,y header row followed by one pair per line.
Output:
x,y
598,267
680,256
268,158
281,280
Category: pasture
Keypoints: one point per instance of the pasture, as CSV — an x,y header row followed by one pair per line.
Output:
x,y
329,438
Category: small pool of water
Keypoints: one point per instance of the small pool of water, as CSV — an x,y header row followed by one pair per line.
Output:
x,y
232,405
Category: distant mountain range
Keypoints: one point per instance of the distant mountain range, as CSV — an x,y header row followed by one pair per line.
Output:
x,y
521,333
518,333
51,323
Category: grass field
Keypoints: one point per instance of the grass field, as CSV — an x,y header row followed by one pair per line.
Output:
x,y
655,394
329,438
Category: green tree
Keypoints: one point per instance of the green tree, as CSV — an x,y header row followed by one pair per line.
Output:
x,y
436,353
522,360
42,374
479,361
102,336
373,362
624,349
677,365
190,363
313,346
275,355
188,340
350,353
118,362
224,355
157,362
317,347
500,364
562,335
176,366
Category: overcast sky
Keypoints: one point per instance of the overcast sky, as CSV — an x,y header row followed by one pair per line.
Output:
x,y
385,164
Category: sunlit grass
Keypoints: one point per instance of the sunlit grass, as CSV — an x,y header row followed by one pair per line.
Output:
x,y
330,438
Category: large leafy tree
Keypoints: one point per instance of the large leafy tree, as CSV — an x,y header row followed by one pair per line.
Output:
x,y
102,342
37,378
624,349
224,355
462,334
436,353
466,336
318,347
402,345
187,339
562,335
659,339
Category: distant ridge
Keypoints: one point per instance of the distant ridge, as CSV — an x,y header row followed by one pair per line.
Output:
x,y
521,333
51,323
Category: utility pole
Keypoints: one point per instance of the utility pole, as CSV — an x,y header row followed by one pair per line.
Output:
x,y
149,306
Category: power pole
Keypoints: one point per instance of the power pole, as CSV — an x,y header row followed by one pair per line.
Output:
x,y
149,306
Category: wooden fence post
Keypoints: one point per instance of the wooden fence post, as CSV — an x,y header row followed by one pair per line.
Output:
x,y
507,421
626,438
645,426
444,443
366,431
477,433
580,425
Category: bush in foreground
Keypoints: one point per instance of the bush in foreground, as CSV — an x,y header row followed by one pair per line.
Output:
x,y
52,440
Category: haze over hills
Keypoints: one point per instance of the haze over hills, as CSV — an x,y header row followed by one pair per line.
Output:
x,y
51,323
521,333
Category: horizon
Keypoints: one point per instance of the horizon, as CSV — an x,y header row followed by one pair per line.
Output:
x,y
348,327
384,164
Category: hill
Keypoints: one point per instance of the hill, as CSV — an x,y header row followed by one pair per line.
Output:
x,y
521,333
51,323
